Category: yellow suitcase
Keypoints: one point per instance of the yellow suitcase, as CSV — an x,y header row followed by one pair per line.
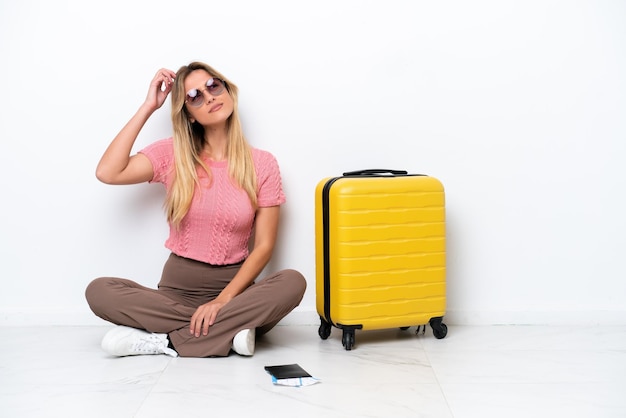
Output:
x,y
380,252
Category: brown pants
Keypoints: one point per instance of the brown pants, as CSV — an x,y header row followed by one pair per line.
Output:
x,y
186,284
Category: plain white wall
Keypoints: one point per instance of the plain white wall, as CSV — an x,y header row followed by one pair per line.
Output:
x,y
518,107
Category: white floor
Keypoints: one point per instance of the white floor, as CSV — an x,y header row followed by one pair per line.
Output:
x,y
497,371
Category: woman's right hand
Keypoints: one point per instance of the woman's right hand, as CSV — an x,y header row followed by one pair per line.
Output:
x,y
160,88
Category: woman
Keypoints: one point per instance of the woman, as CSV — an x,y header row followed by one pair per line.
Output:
x,y
219,189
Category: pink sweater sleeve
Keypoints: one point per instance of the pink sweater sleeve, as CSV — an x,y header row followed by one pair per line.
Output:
x,y
161,155
269,182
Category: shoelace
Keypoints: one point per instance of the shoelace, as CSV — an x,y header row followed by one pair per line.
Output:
x,y
153,344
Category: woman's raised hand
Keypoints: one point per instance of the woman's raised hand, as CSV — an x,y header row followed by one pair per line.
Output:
x,y
160,87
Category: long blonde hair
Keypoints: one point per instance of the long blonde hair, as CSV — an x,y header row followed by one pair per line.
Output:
x,y
189,143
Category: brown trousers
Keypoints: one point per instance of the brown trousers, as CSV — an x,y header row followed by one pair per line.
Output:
x,y
186,284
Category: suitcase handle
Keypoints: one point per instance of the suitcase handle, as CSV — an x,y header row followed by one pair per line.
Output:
x,y
375,171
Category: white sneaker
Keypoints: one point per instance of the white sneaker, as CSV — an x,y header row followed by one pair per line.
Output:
x,y
243,343
127,341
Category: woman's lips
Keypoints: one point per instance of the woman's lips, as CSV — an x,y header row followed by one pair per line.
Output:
x,y
215,108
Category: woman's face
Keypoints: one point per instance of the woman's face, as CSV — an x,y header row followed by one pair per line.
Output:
x,y
211,111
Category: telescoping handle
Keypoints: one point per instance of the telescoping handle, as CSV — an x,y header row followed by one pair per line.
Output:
x,y
376,171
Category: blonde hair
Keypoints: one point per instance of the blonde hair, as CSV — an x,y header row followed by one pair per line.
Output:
x,y
189,143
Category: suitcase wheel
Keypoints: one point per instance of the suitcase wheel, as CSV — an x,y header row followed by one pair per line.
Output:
x,y
348,339
324,330
440,330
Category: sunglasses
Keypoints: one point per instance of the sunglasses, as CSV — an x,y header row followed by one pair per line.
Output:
x,y
214,86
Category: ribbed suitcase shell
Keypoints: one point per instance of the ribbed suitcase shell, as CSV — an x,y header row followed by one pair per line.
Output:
x,y
380,251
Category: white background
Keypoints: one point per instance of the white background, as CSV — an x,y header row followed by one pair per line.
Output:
x,y
518,107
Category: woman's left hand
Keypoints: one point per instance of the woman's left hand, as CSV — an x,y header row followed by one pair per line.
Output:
x,y
204,317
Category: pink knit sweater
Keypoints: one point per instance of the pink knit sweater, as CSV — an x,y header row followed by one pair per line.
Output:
x,y
217,228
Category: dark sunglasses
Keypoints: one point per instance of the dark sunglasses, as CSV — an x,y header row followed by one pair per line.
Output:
x,y
214,86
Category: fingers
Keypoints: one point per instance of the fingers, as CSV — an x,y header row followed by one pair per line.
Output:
x,y
192,323
164,80
205,327
160,87
195,325
165,76
203,318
